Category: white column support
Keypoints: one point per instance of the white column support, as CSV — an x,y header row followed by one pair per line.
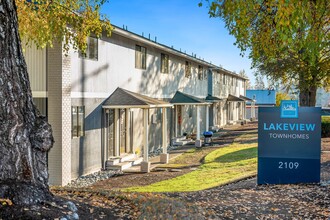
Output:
x,y
230,111
127,115
207,124
164,128
244,111
164,157
117,136
145,136
145,165
198,118
105,136
198,142
176,120
182,109
253,113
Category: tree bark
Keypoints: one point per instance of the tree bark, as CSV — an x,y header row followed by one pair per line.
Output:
x,y
25,136
307,97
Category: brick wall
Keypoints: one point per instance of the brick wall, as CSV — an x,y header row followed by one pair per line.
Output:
x,y
59,115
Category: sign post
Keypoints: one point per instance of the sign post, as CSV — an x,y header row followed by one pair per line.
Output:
x,y
289,144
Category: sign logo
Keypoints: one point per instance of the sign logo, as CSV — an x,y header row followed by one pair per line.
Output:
x,y
289,109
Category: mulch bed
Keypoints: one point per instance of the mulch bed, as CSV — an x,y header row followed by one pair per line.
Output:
x,y
245,200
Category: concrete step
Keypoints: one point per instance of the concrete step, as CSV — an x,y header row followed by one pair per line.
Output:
x,y
112,161
119,166
216,128
181,143
231,122
177,139
116,160
136,161
128,157
122,166
135,168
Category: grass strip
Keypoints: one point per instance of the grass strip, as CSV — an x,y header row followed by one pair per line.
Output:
x,y
222,166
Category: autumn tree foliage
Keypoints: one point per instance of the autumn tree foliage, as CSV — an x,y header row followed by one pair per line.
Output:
x,y
25,135
45,21
281,96
287,40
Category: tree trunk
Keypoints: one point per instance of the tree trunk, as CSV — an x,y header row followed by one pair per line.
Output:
x,y
307,97
25,136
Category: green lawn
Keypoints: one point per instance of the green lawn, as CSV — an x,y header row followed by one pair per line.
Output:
x,y
221,166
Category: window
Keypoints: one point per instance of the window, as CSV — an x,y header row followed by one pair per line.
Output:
x,y
187,70
78,116
140,57
205,74
164,63
224,79
91,50
200,72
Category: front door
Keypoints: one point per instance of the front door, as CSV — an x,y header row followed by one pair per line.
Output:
x,y
119,132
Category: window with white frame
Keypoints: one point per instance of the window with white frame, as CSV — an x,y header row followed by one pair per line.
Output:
x,y
205,74
164,63
200,72
187,70
140,57
217,78
91,50
78,117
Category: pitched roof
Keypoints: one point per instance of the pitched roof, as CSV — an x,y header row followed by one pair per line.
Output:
x,y
122,98
211,98
232,98
246,98
181,98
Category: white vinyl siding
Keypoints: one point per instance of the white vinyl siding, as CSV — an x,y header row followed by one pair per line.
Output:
x,y
36,64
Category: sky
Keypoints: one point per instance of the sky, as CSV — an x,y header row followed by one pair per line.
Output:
x,y
183,25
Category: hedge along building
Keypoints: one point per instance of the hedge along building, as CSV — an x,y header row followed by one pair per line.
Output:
x,y
74,92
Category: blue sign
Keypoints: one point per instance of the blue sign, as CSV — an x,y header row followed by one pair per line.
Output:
x,y
289,147
289,109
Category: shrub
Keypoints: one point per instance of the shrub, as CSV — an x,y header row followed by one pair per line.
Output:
x,y
325,126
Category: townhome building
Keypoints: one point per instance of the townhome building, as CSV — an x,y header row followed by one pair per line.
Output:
x,y
227,92
127,95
